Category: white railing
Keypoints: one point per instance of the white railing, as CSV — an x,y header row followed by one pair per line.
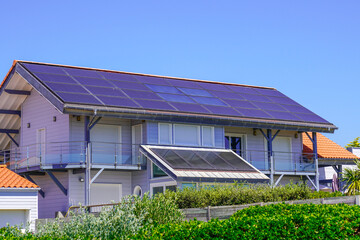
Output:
x,y
68,154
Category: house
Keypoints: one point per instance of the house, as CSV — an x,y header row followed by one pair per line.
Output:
x,y
332,158
18,200
91,135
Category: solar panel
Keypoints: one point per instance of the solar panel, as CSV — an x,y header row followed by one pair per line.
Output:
x,y
55,78
141,94
89,86
163,89
193,159
195,92
176,98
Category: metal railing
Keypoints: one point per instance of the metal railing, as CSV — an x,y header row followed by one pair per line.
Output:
x,y
73,154
283,161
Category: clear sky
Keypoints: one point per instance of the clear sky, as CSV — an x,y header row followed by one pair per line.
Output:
x,y
309,50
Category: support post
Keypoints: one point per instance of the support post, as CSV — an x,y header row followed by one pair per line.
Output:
x,y
87,160
314,138
340,181
41,192
270,156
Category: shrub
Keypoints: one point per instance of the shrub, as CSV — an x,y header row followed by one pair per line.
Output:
x,y
280,221
239,193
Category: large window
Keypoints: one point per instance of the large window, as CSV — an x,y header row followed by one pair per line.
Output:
x,y
162,187
186,135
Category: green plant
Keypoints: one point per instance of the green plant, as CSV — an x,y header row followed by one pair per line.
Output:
x,y
354,143
351,177
280,221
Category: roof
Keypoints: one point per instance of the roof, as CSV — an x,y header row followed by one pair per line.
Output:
x,y
202,164
89,91
327,148
9,179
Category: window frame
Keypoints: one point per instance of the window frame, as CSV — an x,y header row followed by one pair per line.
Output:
x,y
170,133
198,130
212,136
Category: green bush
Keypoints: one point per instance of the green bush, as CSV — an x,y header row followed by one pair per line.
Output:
x,y
280,221
239,193
117,222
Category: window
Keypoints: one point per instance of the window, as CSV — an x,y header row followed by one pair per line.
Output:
x,y
236,142
208,136
157,190
138,191
186,135
157,172
165,133
162,187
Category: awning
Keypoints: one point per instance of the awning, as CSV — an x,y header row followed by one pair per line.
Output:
x,y
202,164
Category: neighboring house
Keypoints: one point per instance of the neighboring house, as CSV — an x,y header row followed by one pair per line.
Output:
x,y
90,135
332,158
18,200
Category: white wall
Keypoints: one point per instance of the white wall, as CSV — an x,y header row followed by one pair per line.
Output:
x,y
21,199
76,188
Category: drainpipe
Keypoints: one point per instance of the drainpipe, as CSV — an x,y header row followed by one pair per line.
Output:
x,y
314,138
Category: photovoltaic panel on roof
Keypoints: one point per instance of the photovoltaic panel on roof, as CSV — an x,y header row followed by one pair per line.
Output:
x,y
104,88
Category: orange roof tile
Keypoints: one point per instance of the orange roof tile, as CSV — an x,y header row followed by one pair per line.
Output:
x,y
9,179
326,148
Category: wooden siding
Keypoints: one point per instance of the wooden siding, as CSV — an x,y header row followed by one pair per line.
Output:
x,y
21,199
55,200
37,111
76,188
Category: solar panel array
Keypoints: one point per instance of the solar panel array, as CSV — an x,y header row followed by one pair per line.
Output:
x,y
96,87
202,160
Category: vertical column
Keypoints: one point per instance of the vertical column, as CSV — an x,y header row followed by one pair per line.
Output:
x,y
339,175
270,156
314,138
87,159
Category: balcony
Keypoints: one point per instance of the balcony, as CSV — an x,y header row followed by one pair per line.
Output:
x,y
284,162
71,155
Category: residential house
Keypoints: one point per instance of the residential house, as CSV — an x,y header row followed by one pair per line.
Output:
x,y
91,135
332,159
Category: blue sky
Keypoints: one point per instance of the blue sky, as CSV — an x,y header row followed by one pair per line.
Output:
x,y
309,50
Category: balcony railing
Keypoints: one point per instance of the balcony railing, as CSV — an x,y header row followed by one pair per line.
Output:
x,y
73,155
119,155
283,161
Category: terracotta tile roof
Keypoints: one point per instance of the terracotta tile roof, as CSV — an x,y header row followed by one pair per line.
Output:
x,y
9,179
326,148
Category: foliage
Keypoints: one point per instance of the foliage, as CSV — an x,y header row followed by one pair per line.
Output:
x,y
354,143
117,222
280,221
239,193
351,177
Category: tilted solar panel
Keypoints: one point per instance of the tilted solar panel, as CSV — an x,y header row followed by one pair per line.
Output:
x,y
98,87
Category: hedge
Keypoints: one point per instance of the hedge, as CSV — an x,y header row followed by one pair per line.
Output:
x,y
240,193
280,221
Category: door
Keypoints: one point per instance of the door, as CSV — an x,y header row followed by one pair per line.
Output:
x,y
103,193
13,217
41,145
235,142
136,141
106,144
282,154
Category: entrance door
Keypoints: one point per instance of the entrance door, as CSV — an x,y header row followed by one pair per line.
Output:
x,y
235,142
136,141
282,154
